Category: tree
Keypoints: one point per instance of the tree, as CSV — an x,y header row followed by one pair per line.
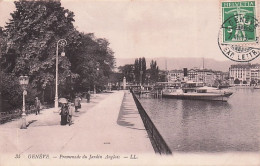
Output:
x,y
11,89
128,72
33,31
92,60
30,44
253,82
136,71
162,76
154,71
236,81
1,73
143,64
140,70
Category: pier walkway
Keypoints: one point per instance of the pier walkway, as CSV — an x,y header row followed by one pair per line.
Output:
x,y
109,123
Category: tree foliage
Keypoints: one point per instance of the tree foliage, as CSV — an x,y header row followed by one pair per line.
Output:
x,y
10,91
132,72
140,70
29,48
154,71
128,72
236,81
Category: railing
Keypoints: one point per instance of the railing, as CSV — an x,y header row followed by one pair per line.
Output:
x,y
7,116
157,140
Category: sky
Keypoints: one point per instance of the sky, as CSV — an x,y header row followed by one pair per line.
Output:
x,y
177,28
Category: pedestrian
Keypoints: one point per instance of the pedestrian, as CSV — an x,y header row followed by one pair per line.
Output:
x,y
37,105
64,112
71,109
88,96
77,103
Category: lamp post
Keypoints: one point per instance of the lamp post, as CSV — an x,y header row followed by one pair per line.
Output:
x,y
24,80
124,83
62,43
97,67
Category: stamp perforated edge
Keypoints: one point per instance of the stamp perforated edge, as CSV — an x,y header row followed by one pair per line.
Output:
x,y
255,44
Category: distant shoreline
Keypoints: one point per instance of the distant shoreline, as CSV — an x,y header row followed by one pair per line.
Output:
x,y
172,63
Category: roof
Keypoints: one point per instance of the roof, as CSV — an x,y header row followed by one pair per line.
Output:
x,y
176,71
243,66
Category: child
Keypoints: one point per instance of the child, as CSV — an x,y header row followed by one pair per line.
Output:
x,y
71,109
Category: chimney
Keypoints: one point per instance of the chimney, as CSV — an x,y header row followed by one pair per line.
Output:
x,y
185,72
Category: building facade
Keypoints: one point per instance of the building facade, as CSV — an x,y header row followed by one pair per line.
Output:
x,y
175,76
202,75
255,73
246,74
207,76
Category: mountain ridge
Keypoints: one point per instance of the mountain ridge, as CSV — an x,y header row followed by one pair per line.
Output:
x,y
180,63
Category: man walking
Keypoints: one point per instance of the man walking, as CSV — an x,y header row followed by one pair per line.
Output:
x,y
88,96
77,103
37,105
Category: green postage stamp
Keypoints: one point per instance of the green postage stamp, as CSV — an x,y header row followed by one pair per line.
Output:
x,y
238,36
239,21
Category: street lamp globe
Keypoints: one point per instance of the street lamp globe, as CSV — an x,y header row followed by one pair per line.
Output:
x,y
98,64
24,81
66,14
63,53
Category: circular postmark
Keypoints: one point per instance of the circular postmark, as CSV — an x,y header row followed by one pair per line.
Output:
x,y
237,38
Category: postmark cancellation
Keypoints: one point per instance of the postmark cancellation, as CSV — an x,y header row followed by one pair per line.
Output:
x,y
238,37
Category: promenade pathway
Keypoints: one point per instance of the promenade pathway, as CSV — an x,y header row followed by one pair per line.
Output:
x,y
109,123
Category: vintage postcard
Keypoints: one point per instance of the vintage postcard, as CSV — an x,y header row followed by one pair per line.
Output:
x,y
129,82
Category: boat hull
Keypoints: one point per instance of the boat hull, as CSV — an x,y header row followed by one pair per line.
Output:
x,y
196,96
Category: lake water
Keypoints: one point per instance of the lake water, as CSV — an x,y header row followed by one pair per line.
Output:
x,y
209,126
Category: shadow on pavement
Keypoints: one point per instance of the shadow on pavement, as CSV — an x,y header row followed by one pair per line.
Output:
x,y
124,118
30,122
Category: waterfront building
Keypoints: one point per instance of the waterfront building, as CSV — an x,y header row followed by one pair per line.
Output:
x,y
255,73
244,74
175,76
193,75
219,75
202,75
163,76
207,76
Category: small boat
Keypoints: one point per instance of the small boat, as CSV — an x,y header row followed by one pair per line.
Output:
x,y
191,92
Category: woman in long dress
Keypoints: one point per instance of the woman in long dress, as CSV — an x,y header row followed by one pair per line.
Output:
x,y
64,113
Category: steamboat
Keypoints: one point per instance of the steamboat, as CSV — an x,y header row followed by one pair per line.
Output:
x,y
196,91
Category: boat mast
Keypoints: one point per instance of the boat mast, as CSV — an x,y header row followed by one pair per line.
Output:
x,y
166,70
204,73
203,63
